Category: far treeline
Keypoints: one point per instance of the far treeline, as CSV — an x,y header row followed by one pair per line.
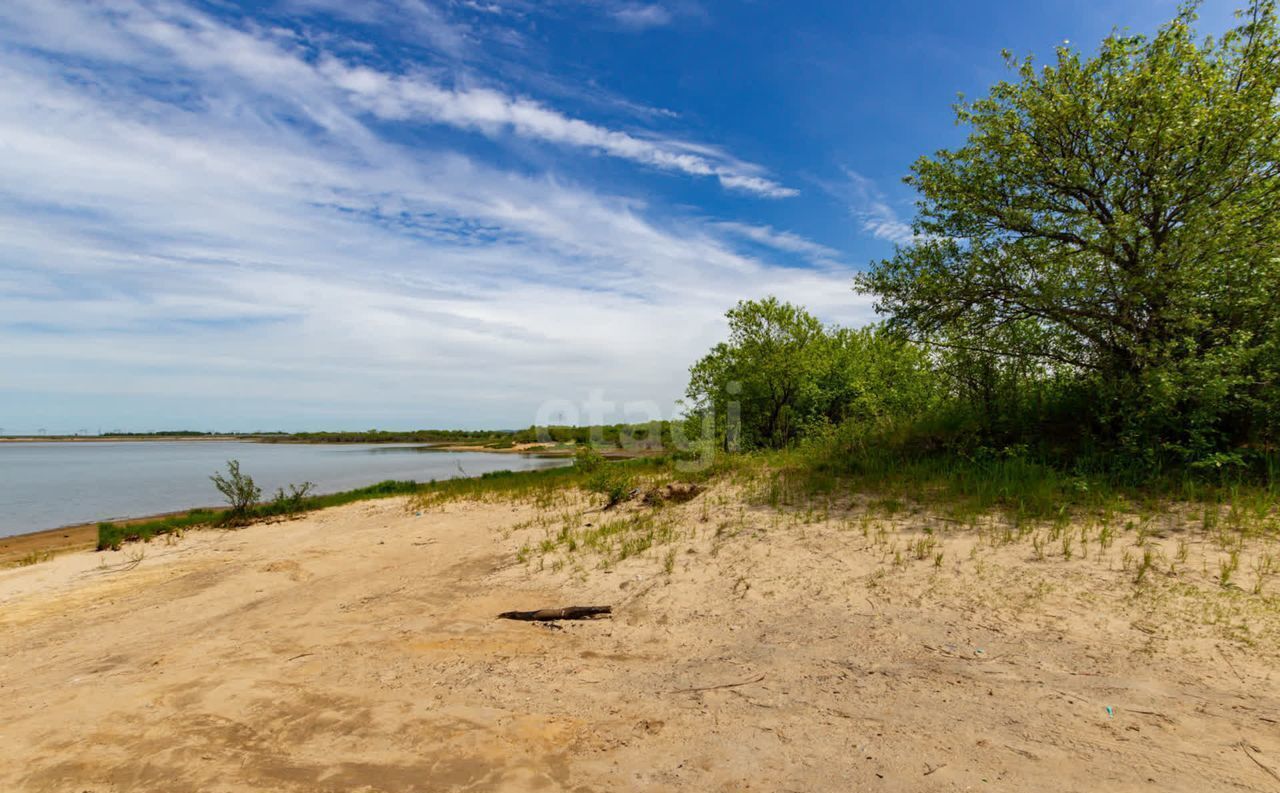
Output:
x,y
656,435
389,436
637,437
1093,282
651,435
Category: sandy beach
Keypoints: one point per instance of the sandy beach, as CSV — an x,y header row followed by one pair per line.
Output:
x,y
356,649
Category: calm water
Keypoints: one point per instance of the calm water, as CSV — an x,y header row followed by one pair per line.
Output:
x,y
46,485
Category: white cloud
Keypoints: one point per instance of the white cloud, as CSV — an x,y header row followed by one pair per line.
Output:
x,y
641,16
215,51
423,22
787,241
214,246
869,206
492,112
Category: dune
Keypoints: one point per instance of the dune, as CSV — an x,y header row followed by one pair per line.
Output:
x,y
751,648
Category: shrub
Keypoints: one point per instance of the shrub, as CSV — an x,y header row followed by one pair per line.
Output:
x,y
293,501
587,458
239,490
613,483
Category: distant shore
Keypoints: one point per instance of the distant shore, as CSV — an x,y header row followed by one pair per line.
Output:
x,y
123,438
548,449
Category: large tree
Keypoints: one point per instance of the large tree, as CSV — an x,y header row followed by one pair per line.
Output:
x,y
1117,216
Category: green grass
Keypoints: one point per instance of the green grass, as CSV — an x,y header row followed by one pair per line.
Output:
x,y
113,536
548,486
1019,488
544,487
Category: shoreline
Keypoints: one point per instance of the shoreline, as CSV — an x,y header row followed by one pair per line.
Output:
x,y
529,449
67,539
50,542
108,439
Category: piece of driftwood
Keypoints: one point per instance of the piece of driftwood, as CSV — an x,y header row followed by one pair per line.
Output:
x,y
1245,746
716,688
551,615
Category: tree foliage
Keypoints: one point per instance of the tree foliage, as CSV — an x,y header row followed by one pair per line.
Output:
x,y
1115,221
782,373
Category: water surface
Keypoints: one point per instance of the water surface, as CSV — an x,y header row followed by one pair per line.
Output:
x,y
47,485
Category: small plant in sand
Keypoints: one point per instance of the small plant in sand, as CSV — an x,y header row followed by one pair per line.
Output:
x,y
1263,568
922,547
239,490
1037,546
1227,568
1209,518
34,557
1140,539
1146,565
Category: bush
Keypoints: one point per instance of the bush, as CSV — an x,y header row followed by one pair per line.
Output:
x,y
239,490
614,484
293,501
587,459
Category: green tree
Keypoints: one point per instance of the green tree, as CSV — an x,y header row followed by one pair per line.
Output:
x,y
1116,218
764,373
782,374
867,374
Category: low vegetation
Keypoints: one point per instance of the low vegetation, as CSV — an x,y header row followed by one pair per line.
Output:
x,y
238,489
113,535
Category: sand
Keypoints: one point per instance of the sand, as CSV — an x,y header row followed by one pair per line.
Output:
x,y
356,649
45,544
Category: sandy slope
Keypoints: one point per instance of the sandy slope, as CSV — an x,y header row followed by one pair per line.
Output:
x,y
356,650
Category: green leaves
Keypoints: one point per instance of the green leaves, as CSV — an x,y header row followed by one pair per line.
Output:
x,y
781,374
1116,218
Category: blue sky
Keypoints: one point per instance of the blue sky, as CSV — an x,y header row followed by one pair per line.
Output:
x,y
327,214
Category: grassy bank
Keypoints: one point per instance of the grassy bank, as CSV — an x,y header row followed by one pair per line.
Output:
x,y
113,535
541,486
1014,491
1014,487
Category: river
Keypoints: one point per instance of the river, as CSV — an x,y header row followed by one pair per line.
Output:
x,y
52,484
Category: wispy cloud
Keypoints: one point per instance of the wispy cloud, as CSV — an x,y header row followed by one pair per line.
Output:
x,y
641,16
786,241
491,112
193,207
870,207
422,21
273,62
